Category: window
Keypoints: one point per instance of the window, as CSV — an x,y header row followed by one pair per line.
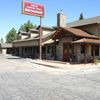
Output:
x,y
36,49
53,49
49,49
43,50
82,48
96,50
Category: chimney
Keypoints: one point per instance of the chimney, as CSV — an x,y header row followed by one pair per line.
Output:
x,y
61,19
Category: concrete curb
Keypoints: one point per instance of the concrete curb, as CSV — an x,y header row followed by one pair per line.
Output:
x,y
45,65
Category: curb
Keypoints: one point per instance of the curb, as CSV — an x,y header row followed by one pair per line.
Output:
x,y
46,65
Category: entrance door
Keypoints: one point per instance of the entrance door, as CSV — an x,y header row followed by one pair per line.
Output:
x,y
67,52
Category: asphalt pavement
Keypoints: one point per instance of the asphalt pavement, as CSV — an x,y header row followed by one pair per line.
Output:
x,y
21,79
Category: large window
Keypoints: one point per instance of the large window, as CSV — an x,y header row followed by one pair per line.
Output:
x,y
49,49
43,50
82,48
96,50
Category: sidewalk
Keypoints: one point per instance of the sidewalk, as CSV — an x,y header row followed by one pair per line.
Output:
x,y
65,65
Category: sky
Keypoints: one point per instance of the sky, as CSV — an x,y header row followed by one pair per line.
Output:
x,y
11,16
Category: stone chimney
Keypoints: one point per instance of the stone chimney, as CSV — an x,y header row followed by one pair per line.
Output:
x,y
61,19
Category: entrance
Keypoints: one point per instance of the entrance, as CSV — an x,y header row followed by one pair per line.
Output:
x,y
67,52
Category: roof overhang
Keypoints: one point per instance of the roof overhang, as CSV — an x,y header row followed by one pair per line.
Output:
x,y
72,31
87,41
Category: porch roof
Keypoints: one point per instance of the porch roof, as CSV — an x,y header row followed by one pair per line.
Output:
x,y
48,42
89,41
72,31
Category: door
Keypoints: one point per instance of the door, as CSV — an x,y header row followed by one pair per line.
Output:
x,y
67,52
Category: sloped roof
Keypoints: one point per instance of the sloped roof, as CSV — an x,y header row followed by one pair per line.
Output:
x,y
91,41
5,45
24,40
45,38
46,27
74,31
23,33
34,31
83,22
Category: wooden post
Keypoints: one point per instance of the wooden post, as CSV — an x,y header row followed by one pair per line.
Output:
x,y
93,53
99,30
85,54
55,49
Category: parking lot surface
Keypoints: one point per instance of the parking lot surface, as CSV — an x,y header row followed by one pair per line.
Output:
x,y
21,79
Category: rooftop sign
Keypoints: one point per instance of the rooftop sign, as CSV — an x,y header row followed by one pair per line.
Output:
x,y
34,9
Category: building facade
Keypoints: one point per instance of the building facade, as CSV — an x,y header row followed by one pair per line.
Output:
x,y
78,41
6,48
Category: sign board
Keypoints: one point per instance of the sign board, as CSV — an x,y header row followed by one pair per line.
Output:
x,y
34,9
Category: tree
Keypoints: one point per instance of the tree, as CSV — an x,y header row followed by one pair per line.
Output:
x,y
22,28
1,41
26,26
11,36
81,16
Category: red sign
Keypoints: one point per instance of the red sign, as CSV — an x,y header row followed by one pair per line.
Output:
x,y
34,9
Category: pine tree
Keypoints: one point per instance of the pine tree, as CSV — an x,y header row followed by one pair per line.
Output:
x,y
1,41
81,16
26,26
11,36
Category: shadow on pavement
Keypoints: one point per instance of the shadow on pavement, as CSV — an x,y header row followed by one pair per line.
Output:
x,y
14,58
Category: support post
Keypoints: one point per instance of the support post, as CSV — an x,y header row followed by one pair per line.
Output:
x,y
40,38
93,53
99,30
85,54
55,49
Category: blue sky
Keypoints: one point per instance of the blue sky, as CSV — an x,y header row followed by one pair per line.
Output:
x,y
10,12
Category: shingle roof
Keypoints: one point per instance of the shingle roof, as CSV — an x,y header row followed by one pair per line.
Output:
x,y
83,22
74,31
91,41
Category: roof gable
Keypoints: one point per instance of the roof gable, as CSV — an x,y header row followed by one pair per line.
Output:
x,y
72,31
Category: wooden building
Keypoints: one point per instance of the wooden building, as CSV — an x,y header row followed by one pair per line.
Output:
x,y
6,48
78,41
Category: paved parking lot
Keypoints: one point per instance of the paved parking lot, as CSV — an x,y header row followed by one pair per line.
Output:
x,y
20,79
